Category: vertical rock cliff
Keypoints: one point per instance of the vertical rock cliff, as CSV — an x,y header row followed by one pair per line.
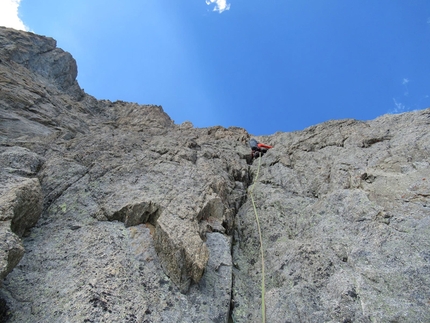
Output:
x,y
110,212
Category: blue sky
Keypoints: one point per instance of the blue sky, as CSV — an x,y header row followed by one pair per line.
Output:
x,y
266,66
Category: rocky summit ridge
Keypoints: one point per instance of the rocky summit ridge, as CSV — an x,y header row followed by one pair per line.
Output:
x,y
111,212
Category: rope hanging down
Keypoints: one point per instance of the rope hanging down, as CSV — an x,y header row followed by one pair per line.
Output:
x,y
263,288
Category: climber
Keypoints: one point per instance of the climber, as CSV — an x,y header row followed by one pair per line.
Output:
x,y
258,149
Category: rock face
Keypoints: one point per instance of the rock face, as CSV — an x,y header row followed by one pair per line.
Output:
x,y
346,224
20,203
110,212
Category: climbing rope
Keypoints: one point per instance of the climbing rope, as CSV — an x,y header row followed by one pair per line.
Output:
x,y
263,288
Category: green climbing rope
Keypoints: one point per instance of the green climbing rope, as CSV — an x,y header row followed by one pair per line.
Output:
x,y
263,288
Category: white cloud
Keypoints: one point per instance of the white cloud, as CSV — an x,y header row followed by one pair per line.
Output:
x,y
9,14
405,83
220,5
400,107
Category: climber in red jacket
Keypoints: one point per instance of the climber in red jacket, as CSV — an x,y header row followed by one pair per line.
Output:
x,y
258,149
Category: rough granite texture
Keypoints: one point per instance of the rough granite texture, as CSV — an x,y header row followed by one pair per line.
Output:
x,y
111,212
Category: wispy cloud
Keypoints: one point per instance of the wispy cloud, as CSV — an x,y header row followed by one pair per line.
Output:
x,y
9,15
400,107
410,101
405,84
220,5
